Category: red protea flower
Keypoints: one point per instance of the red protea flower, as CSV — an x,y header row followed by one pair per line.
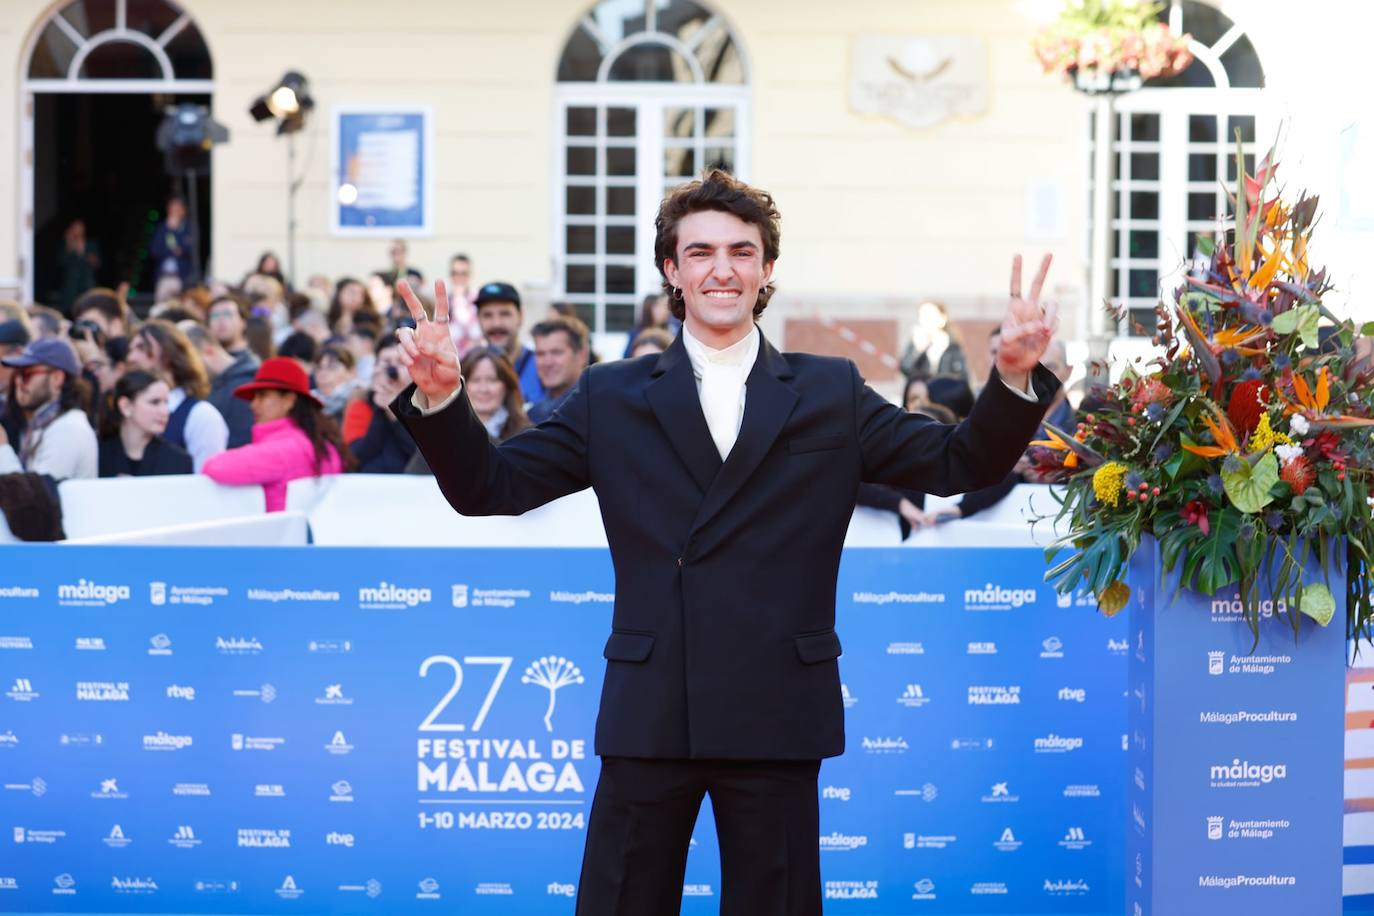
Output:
x,y
1247,404
1298,474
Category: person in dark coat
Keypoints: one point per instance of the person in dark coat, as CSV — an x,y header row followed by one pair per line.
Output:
x,y
725,472
131,442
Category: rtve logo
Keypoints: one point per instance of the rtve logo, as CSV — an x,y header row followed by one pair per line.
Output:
x,y
837,793
562,890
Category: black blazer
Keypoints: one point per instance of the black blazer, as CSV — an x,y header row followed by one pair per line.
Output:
x,y
723,640
159,457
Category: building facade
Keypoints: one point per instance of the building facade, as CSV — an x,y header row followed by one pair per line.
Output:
x,y
912,147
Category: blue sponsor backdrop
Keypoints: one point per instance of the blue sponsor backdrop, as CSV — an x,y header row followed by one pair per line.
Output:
x,y
395,730
1235,746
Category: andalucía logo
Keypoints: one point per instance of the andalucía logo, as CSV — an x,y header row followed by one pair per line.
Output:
x,y
238,645
1063,888
133,885
884,745
90,594
117,839
388,595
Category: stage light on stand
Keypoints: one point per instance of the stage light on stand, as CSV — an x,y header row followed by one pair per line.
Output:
x,y
289,103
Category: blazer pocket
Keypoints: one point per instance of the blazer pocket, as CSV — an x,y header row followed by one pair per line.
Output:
x,y
625,646
818,647
814,443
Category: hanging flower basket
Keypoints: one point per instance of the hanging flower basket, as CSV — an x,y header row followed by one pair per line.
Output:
x,y
1111,46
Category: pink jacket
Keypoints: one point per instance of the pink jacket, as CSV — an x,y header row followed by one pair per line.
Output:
x,y
280,453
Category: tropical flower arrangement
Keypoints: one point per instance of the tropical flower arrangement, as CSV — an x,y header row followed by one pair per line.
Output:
x,y
1245,448
1093,40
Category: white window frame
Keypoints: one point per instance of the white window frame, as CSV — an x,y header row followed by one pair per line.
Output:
x,y
1175,106
75,83
650,101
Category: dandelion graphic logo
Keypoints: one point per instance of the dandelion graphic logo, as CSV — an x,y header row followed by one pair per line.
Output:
x,y
552,673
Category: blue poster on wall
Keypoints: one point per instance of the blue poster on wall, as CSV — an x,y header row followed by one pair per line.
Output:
x,y
343,730
382,171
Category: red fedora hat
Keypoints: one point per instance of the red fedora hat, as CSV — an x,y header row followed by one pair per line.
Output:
x,y
280,373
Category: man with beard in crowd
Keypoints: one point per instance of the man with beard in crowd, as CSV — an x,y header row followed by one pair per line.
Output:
x,y
58,439
500,315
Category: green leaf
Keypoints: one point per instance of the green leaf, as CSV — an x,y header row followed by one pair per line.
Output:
x,y
1367,329
1317,603
1301,320
1207,246
1248,487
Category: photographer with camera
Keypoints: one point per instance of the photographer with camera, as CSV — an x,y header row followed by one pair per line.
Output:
x,y
385,447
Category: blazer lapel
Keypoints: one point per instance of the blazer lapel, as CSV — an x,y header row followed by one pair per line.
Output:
x,y
673,397
768,402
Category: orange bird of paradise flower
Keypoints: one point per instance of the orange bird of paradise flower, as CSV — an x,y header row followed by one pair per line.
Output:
x,y
1222,433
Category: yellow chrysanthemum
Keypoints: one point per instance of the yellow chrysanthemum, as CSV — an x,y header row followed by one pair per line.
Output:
x,y
1264,437
1108,482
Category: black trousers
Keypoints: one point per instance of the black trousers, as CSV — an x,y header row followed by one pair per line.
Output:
x,y
767,820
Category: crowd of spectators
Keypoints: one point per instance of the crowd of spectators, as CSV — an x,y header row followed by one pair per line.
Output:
x,y
258,383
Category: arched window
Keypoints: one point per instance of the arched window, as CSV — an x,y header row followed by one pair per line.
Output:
x,y
1175,144
97,77
650,93
120,40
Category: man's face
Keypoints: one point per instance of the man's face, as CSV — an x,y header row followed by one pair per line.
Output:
x,y
720,270
176,211
227,324
37,385
398,253
557,362
500,323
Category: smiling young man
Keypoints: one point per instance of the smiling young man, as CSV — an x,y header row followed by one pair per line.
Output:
x,y
726,474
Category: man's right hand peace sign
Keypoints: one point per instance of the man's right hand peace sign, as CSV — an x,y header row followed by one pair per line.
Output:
x,y
427,350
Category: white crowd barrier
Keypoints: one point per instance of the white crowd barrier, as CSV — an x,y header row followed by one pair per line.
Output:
x,y
409,510
279,529
120,504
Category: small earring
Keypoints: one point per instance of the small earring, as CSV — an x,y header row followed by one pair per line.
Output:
x,y
677,293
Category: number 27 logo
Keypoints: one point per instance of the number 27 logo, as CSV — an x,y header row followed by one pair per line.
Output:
x,y
502,663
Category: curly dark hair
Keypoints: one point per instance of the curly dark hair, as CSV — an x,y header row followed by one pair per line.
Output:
x,y
30,506
718,190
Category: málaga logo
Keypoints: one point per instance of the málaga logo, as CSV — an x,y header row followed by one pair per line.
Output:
x,y
388,595
1244,774
91,594
997,598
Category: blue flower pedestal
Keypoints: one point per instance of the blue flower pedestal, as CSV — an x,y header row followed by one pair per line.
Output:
x,y
1234,768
